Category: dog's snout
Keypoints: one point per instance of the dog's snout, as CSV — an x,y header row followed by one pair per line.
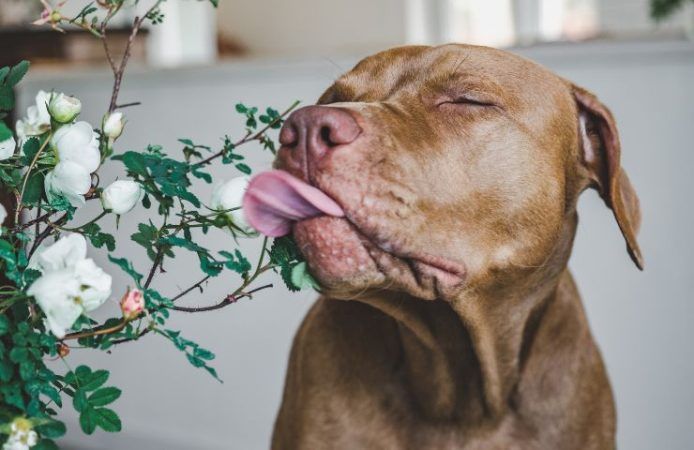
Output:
x,y
316,130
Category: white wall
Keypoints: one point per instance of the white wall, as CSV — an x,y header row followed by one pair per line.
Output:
x,y
313,27
642,321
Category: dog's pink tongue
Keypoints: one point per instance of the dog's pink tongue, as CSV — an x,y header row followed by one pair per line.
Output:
x,y
275,199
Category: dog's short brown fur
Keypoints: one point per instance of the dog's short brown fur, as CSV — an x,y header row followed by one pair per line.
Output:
x,y
449,319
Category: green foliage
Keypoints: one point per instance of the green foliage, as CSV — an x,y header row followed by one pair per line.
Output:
x,y
662,9
285,254
28,388
127,268
98,238
195,354
89,399
9,77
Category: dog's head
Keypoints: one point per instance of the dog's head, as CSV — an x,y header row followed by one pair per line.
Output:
x,y
455,166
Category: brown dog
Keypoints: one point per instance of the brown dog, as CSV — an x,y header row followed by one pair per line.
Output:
x,y
449,319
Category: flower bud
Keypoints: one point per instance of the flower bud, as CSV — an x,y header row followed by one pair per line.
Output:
x,y
227,199
132,304
62,349
113,125
121,196
63,108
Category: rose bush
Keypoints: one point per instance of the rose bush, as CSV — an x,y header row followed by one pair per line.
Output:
x,y
50,165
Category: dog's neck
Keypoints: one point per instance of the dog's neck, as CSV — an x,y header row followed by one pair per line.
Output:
x,y
463,357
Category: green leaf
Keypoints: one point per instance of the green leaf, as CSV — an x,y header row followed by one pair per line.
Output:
x,y
99,239
17,73
6,370
301,278
182,242
94,380
30,148
107,419
134,162
45,444
88,420
53,429
34,189
79,401
244,168
6,98
4,325
104,396
3,73
127,268
285,253
5,132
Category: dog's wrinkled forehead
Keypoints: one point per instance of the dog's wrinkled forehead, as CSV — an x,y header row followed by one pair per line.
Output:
x,y
519,85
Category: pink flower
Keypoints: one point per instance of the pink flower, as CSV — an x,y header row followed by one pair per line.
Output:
x,y
50,15
132,304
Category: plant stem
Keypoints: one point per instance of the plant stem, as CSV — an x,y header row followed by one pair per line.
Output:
x,y
26,177
250,137
228,300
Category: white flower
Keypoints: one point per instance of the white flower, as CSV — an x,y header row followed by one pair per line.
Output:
x,y
71,283
63,108
70,180
37,121
121,196
7,147
229,195
78,143
3,214
63,254
57,294
22,437
113,125
94,282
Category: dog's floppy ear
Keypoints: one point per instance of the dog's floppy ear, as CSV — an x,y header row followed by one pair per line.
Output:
x,y
601,150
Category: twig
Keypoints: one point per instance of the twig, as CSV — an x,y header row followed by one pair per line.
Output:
x,y
98,332
118,73
111,12
26,177
44,234
126,105
249,136
190,289
228,300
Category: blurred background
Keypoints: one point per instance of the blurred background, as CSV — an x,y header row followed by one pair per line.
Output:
x,y
190,71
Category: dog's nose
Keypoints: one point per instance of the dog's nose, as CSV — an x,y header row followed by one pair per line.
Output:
x,y
316,130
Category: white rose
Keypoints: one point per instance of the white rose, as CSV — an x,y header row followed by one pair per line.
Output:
x,y
21,437
7,147
65,253
70,180
57,295
113,125
3,214
70,285
63,108
78,143
94,283
121,196
229,195
38,120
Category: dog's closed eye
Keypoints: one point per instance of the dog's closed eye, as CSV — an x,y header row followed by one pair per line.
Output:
x,y
471,100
